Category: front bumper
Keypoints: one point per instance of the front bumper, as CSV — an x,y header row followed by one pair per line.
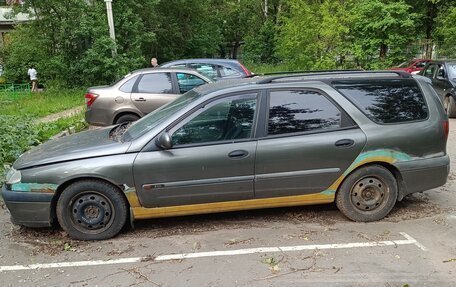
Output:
x,y
32,209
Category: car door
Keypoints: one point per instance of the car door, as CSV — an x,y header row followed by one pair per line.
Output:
x,y
212,158
152,91
308,142
441,82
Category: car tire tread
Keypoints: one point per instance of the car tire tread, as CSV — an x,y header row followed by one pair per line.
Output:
x,y
109,191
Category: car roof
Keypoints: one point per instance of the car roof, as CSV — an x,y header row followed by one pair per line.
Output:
x,y
449,61
202,60
164,69
291,77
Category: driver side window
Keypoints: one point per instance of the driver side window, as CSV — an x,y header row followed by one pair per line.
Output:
x,y
227,119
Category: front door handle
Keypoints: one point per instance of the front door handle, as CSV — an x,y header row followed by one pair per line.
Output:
x,y
140,100
237,154
344,143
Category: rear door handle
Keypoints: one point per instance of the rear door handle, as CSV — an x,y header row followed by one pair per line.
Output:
x,y
237,154
344,143
140,100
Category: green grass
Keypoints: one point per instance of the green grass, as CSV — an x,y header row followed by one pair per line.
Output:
x,y
40,104
47,130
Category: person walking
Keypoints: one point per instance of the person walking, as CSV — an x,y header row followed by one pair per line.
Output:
x,y
33,79
154,63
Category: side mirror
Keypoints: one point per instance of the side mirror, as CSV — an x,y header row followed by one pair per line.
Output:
x,y
164,141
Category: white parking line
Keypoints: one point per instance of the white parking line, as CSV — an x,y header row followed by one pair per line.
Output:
x,y
408,241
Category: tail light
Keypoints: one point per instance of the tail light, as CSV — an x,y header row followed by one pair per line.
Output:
x,y
246,71
446,127
90,98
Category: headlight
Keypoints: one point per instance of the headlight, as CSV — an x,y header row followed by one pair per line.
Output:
x,y
13,176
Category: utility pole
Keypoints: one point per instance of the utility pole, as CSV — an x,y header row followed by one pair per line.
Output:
x,y
112,34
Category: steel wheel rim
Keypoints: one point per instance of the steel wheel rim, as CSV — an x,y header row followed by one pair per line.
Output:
x,y
91,212
369,194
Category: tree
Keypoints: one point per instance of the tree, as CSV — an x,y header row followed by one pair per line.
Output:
x,y
382,31
314,34
69,41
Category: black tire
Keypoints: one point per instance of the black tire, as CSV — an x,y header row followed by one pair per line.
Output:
x,y
450,107
126,118
92,210
367,194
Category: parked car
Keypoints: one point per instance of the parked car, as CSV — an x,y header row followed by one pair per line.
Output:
x,y
413,66
214,69
138,94
443,77
344,137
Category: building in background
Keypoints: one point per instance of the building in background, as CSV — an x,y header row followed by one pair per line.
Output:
x,y
7,22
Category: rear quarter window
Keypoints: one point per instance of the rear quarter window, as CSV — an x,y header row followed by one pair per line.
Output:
x,y
386,101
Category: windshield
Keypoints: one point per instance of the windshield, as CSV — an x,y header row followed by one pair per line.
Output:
x,y
156,117
452,71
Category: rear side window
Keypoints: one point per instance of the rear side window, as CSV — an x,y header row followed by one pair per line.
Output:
x,y
299,111
127,87
155,83
207,70
229,72
386,101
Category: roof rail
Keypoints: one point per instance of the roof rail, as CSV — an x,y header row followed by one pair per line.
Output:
x,y
268,80
306,72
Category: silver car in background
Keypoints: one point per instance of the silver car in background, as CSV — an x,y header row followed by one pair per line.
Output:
x,y
138,94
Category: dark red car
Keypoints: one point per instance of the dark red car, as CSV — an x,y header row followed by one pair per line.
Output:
x,y
413,66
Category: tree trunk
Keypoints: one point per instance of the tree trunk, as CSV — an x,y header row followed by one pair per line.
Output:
x,y
383,51
431,12
266,9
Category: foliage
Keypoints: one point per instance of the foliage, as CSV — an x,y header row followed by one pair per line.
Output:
x,y
47,130
18,134
446,32
69,41
381,29
40,104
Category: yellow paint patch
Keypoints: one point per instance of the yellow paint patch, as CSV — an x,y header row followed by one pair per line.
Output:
x,y
326,196
156,212
336,184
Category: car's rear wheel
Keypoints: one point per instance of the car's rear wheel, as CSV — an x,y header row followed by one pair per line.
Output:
x,y
368,194
126,118
450,106
91,210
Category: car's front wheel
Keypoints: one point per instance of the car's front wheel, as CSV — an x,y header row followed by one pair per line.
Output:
x,y
367,194
91,210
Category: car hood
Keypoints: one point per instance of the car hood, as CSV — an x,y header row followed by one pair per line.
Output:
x,y
82,145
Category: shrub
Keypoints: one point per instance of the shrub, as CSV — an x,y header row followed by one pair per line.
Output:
x,y
18,134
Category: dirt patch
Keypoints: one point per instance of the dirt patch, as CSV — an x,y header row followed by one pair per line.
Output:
x,y
54,242
415,206
155,228
45,240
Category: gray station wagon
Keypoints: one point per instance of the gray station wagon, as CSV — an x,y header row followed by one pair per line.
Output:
x,y
138,94
363,140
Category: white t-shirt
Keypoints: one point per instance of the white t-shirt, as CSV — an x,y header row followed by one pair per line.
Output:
x,y
32,73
